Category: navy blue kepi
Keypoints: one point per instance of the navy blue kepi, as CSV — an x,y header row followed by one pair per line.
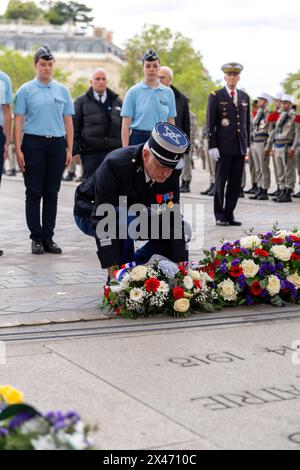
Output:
x,y
168,143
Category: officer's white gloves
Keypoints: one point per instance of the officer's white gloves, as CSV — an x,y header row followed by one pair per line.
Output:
x,y
214,154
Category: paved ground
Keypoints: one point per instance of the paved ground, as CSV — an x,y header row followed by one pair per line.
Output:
x,y
224,380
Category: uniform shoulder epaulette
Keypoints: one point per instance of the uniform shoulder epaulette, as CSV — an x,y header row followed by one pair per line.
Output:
x,y
297,118
273,117
213,93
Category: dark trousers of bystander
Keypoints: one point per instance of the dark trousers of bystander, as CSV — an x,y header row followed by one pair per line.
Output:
x,y
44,165
2,142
229,172
90,163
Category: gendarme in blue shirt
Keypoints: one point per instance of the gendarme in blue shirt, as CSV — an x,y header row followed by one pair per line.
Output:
x,y
44,107
5,93
147,106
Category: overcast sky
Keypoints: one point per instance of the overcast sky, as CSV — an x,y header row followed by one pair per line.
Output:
x,y
263,35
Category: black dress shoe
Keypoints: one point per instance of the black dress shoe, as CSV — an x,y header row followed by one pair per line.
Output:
x,y
211,192
251,190
37,248
205,193
234,222
222,223
51,247
11,172
1,252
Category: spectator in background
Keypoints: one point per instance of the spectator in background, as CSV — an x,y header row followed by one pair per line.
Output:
x,y
146,104
182,121
97,123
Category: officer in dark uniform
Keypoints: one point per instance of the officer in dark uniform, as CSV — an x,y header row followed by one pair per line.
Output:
x,y
228,121
145,174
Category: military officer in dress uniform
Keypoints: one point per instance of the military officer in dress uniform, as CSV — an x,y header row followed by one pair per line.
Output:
x,y
228,121
145,174
286,139
261,131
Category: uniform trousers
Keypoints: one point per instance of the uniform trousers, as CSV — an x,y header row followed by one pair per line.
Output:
x,y
90,162
286,168
2,143
229,172
264,173
44,165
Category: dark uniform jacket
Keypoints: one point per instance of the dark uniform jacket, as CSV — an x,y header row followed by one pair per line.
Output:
x,y
122,174
228,124
97,125
182,119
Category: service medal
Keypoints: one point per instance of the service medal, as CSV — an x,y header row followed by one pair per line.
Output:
x,y
225,122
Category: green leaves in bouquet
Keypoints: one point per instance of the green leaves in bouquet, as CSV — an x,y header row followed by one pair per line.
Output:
x,y
13,410
277,301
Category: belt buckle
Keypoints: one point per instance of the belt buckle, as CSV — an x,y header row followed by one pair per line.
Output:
x,y
48,136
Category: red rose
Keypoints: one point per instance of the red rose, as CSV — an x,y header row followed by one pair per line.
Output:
x,y
216,262
106,292
197,284
178,293
118,310
261,253
236,251
255,288
236,271
277,240
222,253
295,239
295,257
182,270
152,284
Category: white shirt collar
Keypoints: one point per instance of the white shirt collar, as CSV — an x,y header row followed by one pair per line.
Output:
x,y
229,91
98,97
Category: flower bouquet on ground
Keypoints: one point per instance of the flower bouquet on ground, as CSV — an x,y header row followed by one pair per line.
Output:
x,y
24,428
257,268
161,287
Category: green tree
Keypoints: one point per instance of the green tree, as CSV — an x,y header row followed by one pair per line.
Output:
x,y
79,87
291,84
21,69
16,9
62,12
177,52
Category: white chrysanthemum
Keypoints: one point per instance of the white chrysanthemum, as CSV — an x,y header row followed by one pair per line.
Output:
x,y
163,287
227,290
282,252
251,242
188,282
136,295
249,267
274,285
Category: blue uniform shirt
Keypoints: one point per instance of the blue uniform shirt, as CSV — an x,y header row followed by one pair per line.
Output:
x,y
44,107
5,93
147,106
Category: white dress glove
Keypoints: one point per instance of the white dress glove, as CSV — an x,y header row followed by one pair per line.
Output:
x,y
214,154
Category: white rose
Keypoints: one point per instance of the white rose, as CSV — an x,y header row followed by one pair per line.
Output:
x,y
188,282
181,305
282,252
250,268
136,295
195,275
294,279
274,285
139,273
163,287
227,290
251,242
283,234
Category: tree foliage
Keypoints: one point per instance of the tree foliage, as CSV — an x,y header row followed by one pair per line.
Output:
x,y
74,12
21,69
177,52
28,11
291,84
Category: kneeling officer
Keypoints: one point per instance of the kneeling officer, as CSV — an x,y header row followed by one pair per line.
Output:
x,y
141,179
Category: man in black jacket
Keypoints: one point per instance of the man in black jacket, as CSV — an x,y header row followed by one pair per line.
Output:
x,y
97,123
140,179
228,123
182,120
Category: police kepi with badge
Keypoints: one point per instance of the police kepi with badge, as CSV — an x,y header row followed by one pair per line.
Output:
x,y
228,122
145,174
